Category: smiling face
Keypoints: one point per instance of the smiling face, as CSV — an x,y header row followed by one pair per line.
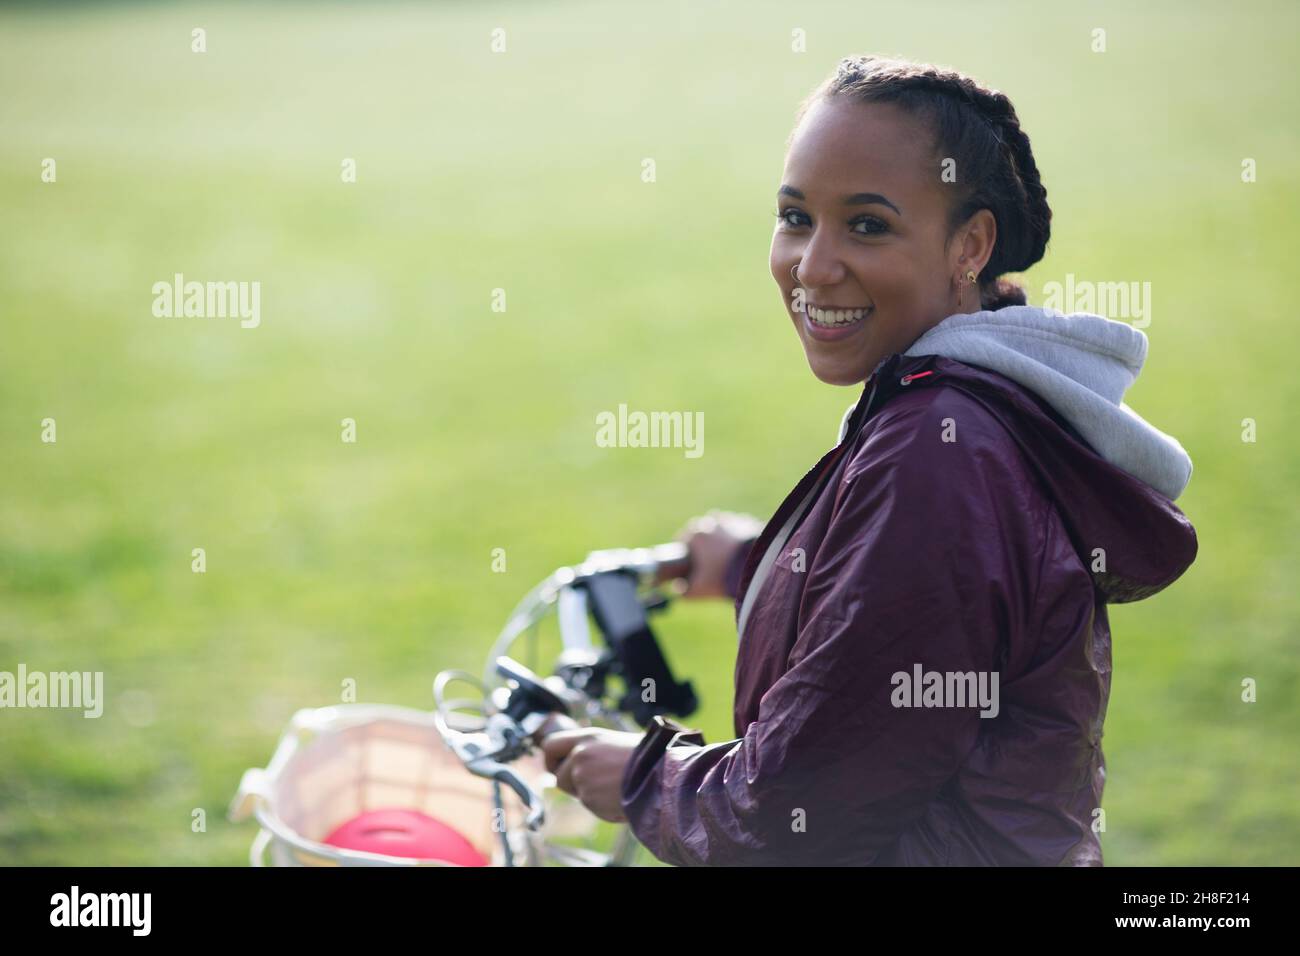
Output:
x,y
863,213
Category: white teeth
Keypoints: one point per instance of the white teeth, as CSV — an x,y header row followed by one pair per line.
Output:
x,y
834,317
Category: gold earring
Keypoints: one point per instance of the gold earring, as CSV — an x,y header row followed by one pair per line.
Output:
x,y
970,277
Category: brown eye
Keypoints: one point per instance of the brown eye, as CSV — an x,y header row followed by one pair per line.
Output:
x,y
874,226
785,214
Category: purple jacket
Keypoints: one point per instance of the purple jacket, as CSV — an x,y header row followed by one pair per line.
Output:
x,y
923,674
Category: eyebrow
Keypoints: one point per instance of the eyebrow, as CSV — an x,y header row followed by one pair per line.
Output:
x,y
857,199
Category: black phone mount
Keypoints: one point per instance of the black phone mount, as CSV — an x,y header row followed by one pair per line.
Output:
x,y
633,650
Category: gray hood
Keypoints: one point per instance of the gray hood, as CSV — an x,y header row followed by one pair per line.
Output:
x,y
1081,364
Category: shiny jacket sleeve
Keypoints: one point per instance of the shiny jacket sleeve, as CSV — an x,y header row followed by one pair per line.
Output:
x,y
736,567
929,560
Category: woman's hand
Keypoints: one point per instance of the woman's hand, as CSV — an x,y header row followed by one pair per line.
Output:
x,y
588,763
711,540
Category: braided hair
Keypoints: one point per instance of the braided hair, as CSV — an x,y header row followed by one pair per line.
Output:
x,y
977,128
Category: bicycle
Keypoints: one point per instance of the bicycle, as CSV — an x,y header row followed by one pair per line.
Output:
x,y
382,785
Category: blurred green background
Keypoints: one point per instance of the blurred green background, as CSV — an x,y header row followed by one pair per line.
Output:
x,y
372,561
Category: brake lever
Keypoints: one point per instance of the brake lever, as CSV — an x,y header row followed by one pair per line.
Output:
x,y
483,752
531,799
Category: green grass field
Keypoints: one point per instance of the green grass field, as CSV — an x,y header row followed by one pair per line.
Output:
x,y
371,561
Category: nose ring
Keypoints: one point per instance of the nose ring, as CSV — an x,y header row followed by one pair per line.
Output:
x,y
794,269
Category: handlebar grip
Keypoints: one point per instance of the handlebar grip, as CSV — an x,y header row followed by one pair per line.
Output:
x,y
671,551
672,561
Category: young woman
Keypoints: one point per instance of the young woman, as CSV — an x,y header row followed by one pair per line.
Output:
x,y
924,658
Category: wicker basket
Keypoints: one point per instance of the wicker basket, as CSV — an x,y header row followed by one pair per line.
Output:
x,y
334,763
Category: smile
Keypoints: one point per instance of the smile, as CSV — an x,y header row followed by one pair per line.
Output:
x,y
832,318
833,324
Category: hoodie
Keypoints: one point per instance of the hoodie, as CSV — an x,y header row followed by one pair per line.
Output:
x,y
924,660
1081,364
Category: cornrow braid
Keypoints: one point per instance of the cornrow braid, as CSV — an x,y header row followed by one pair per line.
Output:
x,y
977,128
